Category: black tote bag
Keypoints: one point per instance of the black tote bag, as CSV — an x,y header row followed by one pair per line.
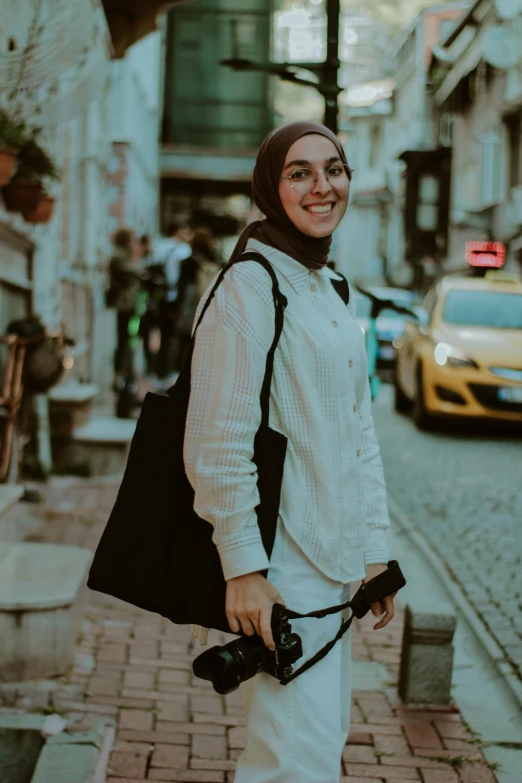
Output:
x,y
156,552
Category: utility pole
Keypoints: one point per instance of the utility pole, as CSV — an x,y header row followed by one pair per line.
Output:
x,y
327,71
331,66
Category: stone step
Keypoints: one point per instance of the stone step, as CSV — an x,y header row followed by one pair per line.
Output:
x,y
51,749
99,448
10,494
70,407
42,597
73,391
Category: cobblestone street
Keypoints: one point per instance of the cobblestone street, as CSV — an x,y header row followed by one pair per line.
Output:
x,y
463,491
133,670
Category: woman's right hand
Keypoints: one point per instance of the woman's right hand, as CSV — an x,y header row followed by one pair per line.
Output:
x,y
249,604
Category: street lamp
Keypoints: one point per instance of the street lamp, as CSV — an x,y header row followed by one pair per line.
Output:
x,y
326,71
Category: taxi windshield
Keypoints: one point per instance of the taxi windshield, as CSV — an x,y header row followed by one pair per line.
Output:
x,y
496,309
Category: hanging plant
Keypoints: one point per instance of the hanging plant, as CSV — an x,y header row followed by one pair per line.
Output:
x,y
34,163
26,192
12,138
43,211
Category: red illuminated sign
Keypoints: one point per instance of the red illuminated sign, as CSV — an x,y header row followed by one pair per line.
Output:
x,y
489,254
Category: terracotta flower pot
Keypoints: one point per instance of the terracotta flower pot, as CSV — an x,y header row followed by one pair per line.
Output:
x,y
7,164
43,211
22,196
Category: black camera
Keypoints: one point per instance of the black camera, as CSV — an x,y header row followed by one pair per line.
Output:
x,y
228,666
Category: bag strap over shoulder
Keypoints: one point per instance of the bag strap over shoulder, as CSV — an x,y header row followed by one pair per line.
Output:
x,y
342,288
280,302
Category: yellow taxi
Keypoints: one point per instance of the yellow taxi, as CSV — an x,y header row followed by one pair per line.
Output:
x,y
463,357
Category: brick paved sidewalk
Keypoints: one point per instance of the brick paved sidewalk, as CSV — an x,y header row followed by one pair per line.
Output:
x,y
134,670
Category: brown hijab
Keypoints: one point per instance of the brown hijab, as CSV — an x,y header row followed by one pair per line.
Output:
x,y
277,230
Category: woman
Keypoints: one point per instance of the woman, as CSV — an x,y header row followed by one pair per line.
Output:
x,y
333,514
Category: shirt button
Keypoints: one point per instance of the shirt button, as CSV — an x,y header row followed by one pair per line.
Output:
x,y
350,363
334,323
354,408
313,288
358,452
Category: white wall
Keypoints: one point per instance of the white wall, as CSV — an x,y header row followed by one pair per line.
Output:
x,y
134,107
359,247
356,249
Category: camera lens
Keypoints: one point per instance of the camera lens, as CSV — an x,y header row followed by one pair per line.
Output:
x,y
228,666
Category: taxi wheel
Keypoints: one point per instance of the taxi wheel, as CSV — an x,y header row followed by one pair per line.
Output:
x,y
400,402
420,415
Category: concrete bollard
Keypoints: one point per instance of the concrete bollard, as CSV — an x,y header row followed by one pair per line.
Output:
x,y
427,655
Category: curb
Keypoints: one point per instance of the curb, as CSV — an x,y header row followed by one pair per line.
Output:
x,y
459,600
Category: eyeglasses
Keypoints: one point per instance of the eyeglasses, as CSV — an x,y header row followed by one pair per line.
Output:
x,y
304,180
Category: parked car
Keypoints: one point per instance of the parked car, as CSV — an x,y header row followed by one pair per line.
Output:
x,y
390,324
464,355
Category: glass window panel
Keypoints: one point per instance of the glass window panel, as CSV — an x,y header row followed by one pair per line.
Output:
x,y
429,190
484,308
427,217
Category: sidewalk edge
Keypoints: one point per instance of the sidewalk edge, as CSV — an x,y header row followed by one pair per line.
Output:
x,y
484,636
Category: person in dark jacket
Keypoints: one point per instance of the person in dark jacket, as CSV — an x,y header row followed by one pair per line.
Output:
x,y
125,279
154,285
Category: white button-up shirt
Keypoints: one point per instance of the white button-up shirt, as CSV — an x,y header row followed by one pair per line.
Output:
x,y
333,498
170,252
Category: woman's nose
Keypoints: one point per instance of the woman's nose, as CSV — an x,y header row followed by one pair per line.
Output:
x,y
321,184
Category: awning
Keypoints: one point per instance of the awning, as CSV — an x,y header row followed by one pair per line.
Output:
x,y
464,65
217,165
131,20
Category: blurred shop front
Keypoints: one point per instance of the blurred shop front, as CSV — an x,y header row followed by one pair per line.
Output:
x,y
214,118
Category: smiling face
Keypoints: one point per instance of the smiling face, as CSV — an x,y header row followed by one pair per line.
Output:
x,y
318,213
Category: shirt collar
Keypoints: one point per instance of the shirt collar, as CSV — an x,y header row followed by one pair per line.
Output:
x,y
296,274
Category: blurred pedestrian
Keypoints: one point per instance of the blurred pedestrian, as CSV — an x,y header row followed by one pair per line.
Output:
x,y
125,276
176,250
332,511
196,274
154,286
145,250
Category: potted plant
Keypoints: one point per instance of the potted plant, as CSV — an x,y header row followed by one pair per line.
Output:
x,y
12,137
26,192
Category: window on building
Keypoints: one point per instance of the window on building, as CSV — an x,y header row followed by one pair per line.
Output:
x,y
514,134
428,203
492,168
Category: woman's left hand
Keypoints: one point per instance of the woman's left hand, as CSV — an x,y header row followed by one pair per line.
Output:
x,y
383,609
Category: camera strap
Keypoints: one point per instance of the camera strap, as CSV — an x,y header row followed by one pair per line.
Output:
x,y
376,589
327,647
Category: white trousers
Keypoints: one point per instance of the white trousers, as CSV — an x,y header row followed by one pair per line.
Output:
x,y
296,733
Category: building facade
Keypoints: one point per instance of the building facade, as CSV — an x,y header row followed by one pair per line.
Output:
x,y
361,241
477,110
389,129
215,117
100,124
